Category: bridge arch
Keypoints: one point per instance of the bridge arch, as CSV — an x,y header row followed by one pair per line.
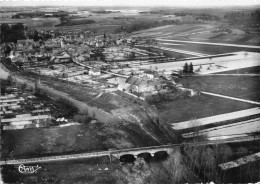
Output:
x,y
161,155
127,158
145,155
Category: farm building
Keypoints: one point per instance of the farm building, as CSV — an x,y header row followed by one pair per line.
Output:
x,y
140,85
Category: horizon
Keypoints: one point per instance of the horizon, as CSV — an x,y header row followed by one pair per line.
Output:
x,y
132,3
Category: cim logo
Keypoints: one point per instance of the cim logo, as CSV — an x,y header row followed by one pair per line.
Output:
x,y
28,169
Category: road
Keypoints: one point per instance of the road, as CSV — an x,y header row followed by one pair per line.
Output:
x,y
210,43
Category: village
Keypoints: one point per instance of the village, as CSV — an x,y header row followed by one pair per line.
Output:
x,y
109,89
96,61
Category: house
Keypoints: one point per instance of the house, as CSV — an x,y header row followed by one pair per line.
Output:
x,y
81,58
140,85
94,72
149,74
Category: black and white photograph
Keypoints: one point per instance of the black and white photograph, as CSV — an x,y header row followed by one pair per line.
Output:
x,y
129,91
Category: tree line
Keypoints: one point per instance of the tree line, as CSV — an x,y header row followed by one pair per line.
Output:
x,y
144,25
66,21
239,16
12,33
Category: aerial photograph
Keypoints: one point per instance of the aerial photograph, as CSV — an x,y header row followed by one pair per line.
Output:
x,y
129,91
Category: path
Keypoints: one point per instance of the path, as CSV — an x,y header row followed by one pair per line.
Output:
x,y
231,98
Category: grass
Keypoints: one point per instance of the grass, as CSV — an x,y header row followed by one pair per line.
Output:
x,y
245,87
197,107
249,70
90,171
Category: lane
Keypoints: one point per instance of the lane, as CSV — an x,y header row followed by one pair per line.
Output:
x,y
209,43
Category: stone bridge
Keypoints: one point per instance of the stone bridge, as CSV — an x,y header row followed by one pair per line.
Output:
x,y
138,151
115,153
152,150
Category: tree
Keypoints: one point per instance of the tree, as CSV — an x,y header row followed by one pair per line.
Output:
x,y
186,68
23,87
190,68
9,80
12,33
35,36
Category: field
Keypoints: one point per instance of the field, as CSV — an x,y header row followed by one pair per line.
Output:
x,y
172,30
168,53
43,23
245,87
196,107
249,70
209,49
71,139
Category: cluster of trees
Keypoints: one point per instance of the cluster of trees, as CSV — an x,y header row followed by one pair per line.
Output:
x,y
12,33
239,16
255,14
39,14
207,17
28,15
66,21
144,25
17,32
188,68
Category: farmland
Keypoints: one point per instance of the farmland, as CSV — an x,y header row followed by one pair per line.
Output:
x,y
208,49
196,107
249,70
245,87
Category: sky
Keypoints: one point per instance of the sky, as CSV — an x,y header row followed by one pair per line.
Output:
x,y
185,3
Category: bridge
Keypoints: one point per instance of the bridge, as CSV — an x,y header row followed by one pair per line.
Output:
x,y
136,152
115,153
